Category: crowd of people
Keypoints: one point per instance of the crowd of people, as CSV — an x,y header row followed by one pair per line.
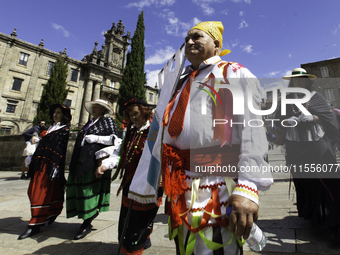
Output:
x,y
196,203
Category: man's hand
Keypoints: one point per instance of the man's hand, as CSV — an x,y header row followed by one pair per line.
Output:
x,y
100,171
243,214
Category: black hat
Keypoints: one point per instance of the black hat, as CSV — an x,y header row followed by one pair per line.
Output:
x,y
126,101
133,100
64,109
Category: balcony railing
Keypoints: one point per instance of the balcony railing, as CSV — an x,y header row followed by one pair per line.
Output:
x,y
110,90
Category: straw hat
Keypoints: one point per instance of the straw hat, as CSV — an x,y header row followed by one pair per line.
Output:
x,y
89,104
299,72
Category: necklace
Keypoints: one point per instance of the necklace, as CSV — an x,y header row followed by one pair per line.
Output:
x,y
306,105
130,146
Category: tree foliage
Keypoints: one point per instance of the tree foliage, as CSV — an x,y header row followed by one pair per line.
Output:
x,y
54,91
134,77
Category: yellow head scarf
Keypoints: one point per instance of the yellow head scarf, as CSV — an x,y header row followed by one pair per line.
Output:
x,y
215,30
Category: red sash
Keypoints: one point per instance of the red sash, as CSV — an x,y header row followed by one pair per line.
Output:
x,y
174,184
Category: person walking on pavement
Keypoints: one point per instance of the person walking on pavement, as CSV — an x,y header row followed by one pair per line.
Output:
x,y
310,140
140,223
86,195
46,170
197,201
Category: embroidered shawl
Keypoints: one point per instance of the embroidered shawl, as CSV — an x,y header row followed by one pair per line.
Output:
x,y
51,151
103,127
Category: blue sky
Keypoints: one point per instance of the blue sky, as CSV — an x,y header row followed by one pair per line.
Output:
x,y
269,37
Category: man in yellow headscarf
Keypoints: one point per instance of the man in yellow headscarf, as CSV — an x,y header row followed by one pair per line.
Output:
x,y
205,167
199,198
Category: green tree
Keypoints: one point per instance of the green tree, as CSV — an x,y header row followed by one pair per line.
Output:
x,y
134,77
54,91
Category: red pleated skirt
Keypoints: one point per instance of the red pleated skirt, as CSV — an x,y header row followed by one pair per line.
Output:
x,y
46,197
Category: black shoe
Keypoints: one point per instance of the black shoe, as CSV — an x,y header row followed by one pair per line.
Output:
x,y
147,244
30,231
83,232
51,220
23,177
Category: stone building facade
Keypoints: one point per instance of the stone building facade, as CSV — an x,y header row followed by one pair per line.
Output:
x,y
25,68
329,85
151,94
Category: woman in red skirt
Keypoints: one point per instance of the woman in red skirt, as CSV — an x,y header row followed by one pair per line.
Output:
x,y
46,170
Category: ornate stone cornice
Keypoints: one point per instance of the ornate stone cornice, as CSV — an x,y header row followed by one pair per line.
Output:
x,y
34,48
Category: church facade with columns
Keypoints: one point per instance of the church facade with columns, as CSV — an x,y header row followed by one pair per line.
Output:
x,y
25,70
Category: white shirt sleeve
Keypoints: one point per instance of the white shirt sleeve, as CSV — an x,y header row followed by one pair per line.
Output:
x,y
106,140
112,161
254,171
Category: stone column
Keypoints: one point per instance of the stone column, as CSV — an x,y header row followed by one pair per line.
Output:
x,y
114,107
109,58
96,91
84,117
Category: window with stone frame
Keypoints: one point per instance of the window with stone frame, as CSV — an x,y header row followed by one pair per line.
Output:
x,y
68,102
324,72
5,130
74,75
49,67
17,84
23,59
151,97
11,105
329,94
